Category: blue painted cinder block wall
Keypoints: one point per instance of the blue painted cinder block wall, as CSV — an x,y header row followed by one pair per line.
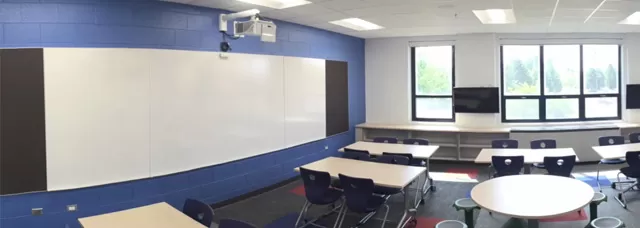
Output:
x,y
152,24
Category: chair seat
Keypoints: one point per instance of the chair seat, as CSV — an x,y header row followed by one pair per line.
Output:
x,y
336,184
451,224
598,197
612,161
607,222
386,190
465,204
330,196
627,171
374,203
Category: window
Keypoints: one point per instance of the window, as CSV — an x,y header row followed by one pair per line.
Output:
x,y
560,82
432,83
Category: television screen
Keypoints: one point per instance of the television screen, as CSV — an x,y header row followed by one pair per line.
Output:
x,y
633,96
476,100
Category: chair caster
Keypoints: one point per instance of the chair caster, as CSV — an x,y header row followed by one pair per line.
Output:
x,y
619,197
613,185
433,188
413,223
422,202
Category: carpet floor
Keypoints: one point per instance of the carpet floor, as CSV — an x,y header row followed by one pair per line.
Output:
x,y
452,180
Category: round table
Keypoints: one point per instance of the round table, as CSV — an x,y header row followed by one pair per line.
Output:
x,y
532,197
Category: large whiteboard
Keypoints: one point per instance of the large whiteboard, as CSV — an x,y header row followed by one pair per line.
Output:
x,y
97,116
122,114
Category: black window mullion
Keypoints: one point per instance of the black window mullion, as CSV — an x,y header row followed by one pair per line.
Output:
x,y
414,115
503,98
619,81
581,101
542,102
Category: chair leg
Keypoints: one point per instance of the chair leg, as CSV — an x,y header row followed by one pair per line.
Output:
x,y
338,223
302,212
384,221
598,176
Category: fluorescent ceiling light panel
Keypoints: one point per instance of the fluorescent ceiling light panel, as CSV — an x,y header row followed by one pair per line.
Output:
x,y
495,16
356,24
277,4
633,19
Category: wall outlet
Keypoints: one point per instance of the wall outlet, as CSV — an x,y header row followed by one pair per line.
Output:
x,y
36,211
72,207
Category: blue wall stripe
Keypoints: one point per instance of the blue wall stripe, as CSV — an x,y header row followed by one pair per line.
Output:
x,y
154,24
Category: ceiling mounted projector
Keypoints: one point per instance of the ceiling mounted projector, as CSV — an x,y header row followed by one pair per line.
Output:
x,y
255,26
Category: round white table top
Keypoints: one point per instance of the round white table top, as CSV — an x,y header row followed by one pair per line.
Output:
x,y
532,196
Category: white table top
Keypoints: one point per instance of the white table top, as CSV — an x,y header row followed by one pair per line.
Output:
x,y
532,196
418,151
616,151
388,175
530,155
159,215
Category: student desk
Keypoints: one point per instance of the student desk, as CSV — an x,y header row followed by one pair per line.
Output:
x,y
530,155
532,197
159,215
387,175
422,152
613,152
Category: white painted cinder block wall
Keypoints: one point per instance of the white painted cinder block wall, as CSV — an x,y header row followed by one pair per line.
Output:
x,y
387,69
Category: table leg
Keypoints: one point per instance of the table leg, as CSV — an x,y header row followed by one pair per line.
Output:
x,y
409,210
527,168
426,189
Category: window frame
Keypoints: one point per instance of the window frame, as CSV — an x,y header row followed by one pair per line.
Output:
x,y
542,98
415,97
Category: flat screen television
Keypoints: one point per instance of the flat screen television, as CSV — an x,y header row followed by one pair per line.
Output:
x,y
476,100
633,96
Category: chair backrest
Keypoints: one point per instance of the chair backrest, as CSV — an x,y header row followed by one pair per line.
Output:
x,y
385,140
543,144
416,141
198,211
504,143
230,223
633,159
409,156
610,140
357,192
507,165
634,137
316,184
356,154
393,159
560,166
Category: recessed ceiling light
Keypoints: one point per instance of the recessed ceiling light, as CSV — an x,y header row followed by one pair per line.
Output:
x,y
633,19
277,4
356,24
495,16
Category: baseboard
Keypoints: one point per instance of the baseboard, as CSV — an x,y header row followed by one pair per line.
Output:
x,y
254,193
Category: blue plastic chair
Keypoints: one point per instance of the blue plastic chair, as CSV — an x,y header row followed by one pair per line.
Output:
x,y
359,198
631,171
362,155
390,159
507,165
606,141
560,166
317,191
542,144
634,137
230,223
423,142
385,140
412,161
199,211
504,143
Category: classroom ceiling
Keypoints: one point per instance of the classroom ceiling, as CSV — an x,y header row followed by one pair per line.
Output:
x,y
448,17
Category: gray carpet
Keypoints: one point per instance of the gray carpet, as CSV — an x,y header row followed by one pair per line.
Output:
x,y
267,207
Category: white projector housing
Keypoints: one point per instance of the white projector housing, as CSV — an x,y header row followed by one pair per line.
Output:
x,y
255,27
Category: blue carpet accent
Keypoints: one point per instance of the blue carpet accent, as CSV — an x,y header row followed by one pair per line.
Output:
x,y
591,180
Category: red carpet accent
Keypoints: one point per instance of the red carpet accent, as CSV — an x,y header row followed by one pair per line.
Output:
x,y
473,173
298,190
568,217
428,222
